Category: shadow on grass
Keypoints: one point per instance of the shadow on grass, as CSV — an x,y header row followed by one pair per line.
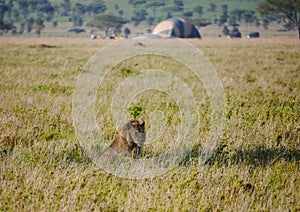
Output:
x,y
257,156
260,156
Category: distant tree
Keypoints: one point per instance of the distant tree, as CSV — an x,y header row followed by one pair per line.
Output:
x,y
265,23
137,3
179,4
154,5
127,31
116,7
238,13
225,8
46,8
66,7
212,7
249,16
150,21
169,15
97,7
23,7
232,21
74,20
29,24
216,21
198,10
22,27
10,5
257,23
77,21
79,9
54,23
187,14
223,19
3,9
5,27
290,8
225,30
120,12
106,22
118,30
139,16
39,26
80,22
15,14
289,25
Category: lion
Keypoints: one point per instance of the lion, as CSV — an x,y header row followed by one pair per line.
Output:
x,y
127,142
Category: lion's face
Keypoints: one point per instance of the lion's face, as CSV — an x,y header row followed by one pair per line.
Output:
x,y
134,132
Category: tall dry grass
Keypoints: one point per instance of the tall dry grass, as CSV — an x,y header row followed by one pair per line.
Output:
x,y
255,167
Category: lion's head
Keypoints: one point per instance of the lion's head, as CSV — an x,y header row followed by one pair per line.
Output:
x,y
134,133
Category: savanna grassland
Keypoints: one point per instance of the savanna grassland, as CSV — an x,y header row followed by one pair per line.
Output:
x,y
256,165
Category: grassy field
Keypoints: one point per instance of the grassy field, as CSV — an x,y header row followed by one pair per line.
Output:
x,y
255,167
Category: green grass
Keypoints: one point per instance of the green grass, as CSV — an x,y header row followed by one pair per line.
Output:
x,y
255,167
189,5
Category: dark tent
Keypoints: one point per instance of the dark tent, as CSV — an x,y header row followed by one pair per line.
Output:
x,y
176,28
253,35
235,33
